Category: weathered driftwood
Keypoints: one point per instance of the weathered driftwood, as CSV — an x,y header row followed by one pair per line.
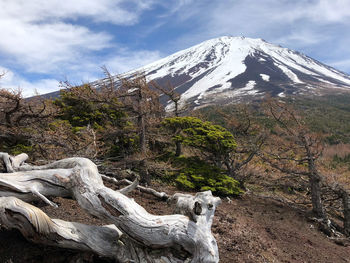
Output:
x,y
38,227
161,195
13,162
175,238
107,241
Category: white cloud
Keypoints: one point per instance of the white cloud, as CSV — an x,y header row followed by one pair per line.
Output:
x,y
13,81
112,11
43,48
127,60
343,64
328,11
301,37
183,7
87,71
46,36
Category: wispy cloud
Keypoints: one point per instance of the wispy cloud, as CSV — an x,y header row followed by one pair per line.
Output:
x,y
59,38
14,81
47,47
42,36
303,37
271,18
112,11
340,63
126,60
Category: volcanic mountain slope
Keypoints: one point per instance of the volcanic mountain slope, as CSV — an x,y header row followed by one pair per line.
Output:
x,y
227,69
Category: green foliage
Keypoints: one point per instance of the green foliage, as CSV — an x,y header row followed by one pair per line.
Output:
x,y
329,115
191,131
337,160
56,124
198,175
125,143
21,148
83,105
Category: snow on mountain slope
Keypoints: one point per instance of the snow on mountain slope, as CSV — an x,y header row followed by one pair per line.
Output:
x,y
226,69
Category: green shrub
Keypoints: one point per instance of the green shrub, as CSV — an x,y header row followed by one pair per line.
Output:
x,y
198,175
21,148
337,160
84,105
202,135
124,144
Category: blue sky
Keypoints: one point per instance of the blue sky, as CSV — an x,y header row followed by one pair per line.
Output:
x,y
43,42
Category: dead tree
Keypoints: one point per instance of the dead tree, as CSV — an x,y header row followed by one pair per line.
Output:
x,y
24,122
294,149
174,97
143,103
346,210
249,135
342,193
134,236
170,92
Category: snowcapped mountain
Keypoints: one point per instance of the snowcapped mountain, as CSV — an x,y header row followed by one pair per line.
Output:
x,y
228,69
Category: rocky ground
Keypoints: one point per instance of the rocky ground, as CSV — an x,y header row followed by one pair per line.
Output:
x,y
248,229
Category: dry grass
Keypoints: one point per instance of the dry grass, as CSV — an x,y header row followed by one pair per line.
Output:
x,y
341,150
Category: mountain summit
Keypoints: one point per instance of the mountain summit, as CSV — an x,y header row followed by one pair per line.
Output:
x,y
230,69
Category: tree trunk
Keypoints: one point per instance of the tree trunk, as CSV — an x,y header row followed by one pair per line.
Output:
x,y
176,102
316,196
141,121
142,133
145,175
346,212
315,183
178,150
182,237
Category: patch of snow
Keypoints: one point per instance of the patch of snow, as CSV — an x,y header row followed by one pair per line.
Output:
x,y
325,81
250,85
329,72
248,89
310,87
218,89
302,63
265,77
281,95
229,66
289,73
132,90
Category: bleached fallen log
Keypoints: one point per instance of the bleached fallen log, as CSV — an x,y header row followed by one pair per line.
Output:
x,y
7,162
161,195
34,185
188,234
107,241
38,227
12,163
